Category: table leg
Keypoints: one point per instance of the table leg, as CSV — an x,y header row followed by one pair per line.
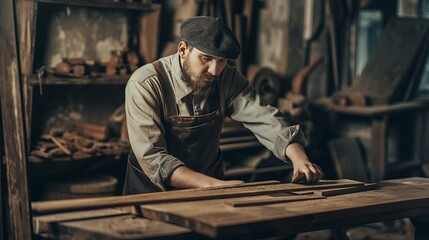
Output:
x,y
421,228
379,136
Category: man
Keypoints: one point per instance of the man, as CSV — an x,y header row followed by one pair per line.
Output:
x,y
175,109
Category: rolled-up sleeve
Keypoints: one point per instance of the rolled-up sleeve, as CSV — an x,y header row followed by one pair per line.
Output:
x,y
146,131
268,124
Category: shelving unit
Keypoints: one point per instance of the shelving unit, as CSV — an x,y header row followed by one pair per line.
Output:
x,y
234,138
56,100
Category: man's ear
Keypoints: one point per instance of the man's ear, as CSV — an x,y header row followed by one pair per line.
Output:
x,y
182,48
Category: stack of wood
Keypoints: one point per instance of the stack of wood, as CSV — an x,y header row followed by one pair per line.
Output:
x,y
84,141
243,205
120,62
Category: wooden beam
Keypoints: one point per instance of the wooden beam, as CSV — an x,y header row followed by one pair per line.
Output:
x,y
340,191
181,196
2,218
19,218
25,16
46,223
149,35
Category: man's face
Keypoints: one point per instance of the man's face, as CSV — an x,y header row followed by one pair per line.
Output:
x,y
200,70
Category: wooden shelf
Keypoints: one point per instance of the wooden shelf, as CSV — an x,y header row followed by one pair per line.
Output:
x,y
85,80
105,4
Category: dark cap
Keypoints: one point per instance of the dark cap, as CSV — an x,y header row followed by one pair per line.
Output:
x,y
210,35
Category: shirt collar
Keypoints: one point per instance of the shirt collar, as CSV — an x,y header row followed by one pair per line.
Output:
x,y
181,90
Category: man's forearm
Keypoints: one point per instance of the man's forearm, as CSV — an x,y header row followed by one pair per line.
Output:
x,y
183,177
296,153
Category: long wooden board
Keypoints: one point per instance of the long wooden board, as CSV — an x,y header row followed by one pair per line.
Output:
x,y
46,223
265,200
122,227
181,196
340,191
216,220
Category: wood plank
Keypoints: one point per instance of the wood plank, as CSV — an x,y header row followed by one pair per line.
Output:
x,y
214,219
26,12
149,35
337,191
18,206
261,183
270,200
45,223
2,191
340,191
120,227
273,36
180,195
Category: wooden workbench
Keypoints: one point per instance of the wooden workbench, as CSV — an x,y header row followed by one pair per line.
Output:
x,y
216,218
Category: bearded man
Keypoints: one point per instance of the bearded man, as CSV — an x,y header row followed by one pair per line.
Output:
x,y
175,108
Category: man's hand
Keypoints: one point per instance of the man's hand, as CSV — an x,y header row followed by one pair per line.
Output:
x,y
307,172
303,169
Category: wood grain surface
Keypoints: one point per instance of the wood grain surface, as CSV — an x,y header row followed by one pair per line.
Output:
x,y
181,196
215,219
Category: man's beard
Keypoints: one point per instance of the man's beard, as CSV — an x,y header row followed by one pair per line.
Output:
x,y
199,87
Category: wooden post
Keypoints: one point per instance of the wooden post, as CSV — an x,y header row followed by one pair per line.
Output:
x,y
26,24
149,35
2,217
18,207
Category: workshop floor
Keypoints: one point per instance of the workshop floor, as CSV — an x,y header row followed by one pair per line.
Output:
x,y
401,229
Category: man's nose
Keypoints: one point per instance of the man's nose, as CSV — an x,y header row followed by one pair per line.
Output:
x,y
214,68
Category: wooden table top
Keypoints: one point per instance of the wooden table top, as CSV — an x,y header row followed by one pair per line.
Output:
x,y
216,219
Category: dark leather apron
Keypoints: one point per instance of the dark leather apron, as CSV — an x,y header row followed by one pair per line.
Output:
x,y
192,139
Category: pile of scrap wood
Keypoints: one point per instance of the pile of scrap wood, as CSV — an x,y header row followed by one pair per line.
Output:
x,y
120,62
84,141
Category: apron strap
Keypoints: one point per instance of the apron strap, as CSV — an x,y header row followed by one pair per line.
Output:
x,y
170,108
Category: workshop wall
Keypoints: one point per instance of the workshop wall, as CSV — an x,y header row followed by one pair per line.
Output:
x,y
76,32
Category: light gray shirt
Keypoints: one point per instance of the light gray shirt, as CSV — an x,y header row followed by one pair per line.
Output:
x,y
143,104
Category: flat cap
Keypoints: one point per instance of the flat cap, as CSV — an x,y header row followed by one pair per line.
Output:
x,y
210,35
